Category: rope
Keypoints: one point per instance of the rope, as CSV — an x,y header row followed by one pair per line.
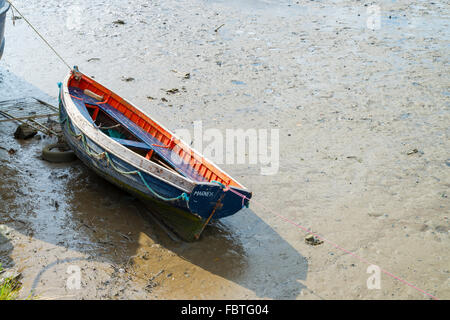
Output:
x,y
106,128
34,29
183,196
220,183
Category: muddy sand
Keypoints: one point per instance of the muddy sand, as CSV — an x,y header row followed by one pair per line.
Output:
x,y
363,119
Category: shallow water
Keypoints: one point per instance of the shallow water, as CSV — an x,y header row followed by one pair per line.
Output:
x,y
350,103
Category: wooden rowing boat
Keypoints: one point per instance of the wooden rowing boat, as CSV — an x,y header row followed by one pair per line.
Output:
x,y
127,147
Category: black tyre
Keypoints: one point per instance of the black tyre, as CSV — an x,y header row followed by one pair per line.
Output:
x,y
58,152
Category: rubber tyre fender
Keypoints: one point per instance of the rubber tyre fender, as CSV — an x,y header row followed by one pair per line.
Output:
x,y
58,156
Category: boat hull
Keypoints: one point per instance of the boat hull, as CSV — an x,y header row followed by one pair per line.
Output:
x,y
184,205
4,7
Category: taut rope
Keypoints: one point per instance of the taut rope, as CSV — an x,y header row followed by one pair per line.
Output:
x,y
34,29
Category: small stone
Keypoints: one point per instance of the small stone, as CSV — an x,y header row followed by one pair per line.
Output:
x,y
24,131
312,240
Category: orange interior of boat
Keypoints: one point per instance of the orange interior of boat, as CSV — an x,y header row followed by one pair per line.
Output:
x,y
204,168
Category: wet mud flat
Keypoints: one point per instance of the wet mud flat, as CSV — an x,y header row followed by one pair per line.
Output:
x,y
363,118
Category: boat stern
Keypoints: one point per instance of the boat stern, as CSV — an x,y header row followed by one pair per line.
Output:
x,y
215,201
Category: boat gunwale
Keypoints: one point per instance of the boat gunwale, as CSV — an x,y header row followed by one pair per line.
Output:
x,y
195,153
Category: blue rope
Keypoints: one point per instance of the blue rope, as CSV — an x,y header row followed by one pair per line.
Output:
x,y
214,181
183,196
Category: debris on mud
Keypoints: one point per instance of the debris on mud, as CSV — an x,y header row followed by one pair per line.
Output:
x,y
172,91
151,283
12,151
217,29
127,79
312,240
58,153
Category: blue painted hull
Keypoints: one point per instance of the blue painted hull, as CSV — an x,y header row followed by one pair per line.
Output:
x,y
4,7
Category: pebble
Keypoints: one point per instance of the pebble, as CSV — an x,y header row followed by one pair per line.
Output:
x,y
24,132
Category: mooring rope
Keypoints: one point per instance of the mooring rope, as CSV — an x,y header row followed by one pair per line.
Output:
x,y
37,32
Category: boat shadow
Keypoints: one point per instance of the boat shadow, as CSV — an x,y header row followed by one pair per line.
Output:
x,y
247,251
242,249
